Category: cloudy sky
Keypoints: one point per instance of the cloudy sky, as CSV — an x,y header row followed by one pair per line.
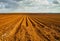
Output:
x,y
49,6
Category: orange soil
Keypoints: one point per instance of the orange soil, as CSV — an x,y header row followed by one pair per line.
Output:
x,y
30,27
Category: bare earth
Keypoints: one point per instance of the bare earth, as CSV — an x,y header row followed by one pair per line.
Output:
x,y
29,27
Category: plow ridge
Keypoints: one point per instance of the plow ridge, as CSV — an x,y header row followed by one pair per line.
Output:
x,y
29,27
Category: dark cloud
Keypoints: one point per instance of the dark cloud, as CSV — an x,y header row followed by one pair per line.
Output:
x,y
3,0
9,3
15,4
55,2
18,0
10,0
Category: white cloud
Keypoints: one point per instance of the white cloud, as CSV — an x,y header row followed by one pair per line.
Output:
x,y
28,5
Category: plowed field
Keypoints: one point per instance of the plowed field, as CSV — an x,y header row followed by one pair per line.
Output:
x,y
29,27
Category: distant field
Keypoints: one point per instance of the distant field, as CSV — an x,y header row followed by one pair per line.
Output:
x,y
29,27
